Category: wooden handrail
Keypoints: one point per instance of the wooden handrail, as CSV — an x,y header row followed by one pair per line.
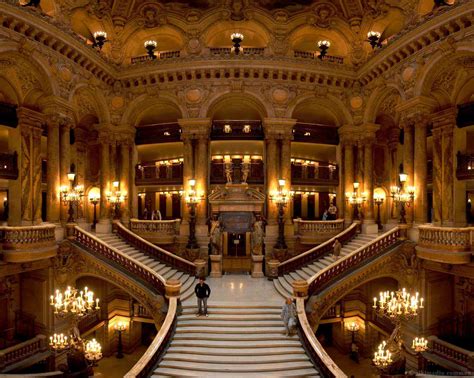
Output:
x,y
316,252
155,251
138,269
150,358
313,347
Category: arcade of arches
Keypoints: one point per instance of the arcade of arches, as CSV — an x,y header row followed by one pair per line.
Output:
x,y
212,153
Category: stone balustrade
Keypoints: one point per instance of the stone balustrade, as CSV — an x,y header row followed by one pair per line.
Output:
x,y
27,243
446,244
156,231
451,352
315,232
19,352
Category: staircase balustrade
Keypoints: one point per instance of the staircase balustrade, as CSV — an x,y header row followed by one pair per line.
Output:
x,y
317,252
451,352
159,253
136,268
19,352
27,243
160,343
156,231
317,231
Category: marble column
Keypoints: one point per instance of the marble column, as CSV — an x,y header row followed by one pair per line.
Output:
x,y
408,167
80,162
421,171
447,213
53,201
125,183
202,176
437,176
349,177
133,188
271,151
65,161
369,180
104,180
340,196
36,174
394,140
113,162
188,170
285,171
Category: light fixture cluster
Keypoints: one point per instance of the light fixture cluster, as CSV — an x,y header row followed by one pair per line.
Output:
x,y
373,37
419,344
382,357
402,196
281,195
58,342
74,302
237,39
150,47
192,196
71,195
93,351
354,198
323,46
399,304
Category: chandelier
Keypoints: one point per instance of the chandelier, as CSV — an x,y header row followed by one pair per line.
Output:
x,y
74,302
71,196
399,304
420,344
402,196
150,47
323,48
382,357
356,200
374,39
58,342
93,351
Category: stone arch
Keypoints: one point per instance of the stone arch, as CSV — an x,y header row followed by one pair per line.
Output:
x,y
332,106
249,100
383,100
89,102
138,108
8,92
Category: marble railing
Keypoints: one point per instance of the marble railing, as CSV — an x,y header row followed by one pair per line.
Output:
x,y
451,352
27,243
19,352
317,252
317,283
150,358
156,231
155,251
314,232
446,244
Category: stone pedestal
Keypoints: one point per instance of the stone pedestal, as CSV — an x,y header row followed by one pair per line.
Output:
x,y
103,227
413,233
300,288
257,262
216,266
200,267
172,288
59,232
403,231
369,228
70,230
272,271
280,254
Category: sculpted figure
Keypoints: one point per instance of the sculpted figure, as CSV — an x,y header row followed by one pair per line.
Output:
x,y
257,236
215,235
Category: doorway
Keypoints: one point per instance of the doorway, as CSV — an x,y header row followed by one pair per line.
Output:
x,y
236,257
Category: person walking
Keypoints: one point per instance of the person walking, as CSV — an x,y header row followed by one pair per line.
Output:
x,y
288,315
202,291
337,246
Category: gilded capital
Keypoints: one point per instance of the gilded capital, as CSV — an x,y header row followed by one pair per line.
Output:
x,y
278,128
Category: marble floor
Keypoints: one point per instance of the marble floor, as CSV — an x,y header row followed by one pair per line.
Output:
x,y
112,367
363,369
241,288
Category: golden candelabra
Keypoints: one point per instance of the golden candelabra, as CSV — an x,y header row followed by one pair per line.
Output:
x,y
116,198
58,342
71,196
93,351
356,200
74,302
420,344
399,304
382,357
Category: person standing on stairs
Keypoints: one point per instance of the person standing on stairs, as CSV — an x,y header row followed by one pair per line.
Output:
x,y
337,246
202,291
288,315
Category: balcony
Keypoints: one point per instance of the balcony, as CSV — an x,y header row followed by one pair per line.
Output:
x,y
465,167
9,166
317,232
159,55
167,172
219,175
159,232
315,55
304,172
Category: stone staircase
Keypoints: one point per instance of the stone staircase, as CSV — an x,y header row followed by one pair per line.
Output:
x,y
284,284
236,340
166,271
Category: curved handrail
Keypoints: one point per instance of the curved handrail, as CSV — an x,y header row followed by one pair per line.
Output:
x,y
319,281
155,251
151,356
316,252
314,348
139,269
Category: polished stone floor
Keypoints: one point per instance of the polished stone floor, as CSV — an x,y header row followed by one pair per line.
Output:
x,y
112,367
239,288
363,369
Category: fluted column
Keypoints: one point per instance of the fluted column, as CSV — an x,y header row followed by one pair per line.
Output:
x,y
53,201
421,170
65,162
125,183
408,163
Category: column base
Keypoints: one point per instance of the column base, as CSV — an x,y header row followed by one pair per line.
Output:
x,y
59,232
216,266
257,271
272,271
370,228
103,227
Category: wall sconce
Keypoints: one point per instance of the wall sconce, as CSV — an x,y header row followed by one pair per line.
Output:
x,y
323,48
150,47
100,37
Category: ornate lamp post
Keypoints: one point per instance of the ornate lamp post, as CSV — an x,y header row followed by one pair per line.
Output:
x,y
116,198
120,327
94,199
192,199
356,201
71,196
402,196
280,197
353,327
378,200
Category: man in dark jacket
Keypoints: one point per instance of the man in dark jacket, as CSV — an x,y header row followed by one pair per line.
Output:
x,y
202,291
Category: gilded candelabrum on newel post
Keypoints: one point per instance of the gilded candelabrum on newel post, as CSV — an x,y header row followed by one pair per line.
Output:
x,y
94,198
281,197
192,198
356,200
71,196
116,198
378,200
403,197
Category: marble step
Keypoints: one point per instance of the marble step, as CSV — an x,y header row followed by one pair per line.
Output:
x,y
280,289
233,317
237,368
284,282
203,351
237,307
237,344
173,372
216,310
267,336
209,322
216,330
234,360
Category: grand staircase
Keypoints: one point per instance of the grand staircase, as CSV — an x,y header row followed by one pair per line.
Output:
x,y
284,283
236,340
166,271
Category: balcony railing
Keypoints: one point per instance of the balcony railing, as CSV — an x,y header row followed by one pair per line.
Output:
x,y
156,231
9,166
451,352
151,174
20,352
159,55
27,243
465,167
314,232
255,176
302,174
227,51
315,55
